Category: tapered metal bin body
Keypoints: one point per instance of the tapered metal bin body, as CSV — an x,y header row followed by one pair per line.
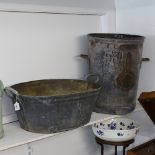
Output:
x,y
116,58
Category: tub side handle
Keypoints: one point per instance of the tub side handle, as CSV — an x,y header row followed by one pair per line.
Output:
x,y
93,78
18,105
11,92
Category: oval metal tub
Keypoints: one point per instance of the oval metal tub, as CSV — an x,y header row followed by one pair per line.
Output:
x,y
49,106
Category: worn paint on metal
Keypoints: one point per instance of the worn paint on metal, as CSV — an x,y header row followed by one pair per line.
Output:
x,y
49,106
116,58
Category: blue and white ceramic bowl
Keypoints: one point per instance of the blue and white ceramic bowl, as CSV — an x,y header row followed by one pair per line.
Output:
x,y
116,129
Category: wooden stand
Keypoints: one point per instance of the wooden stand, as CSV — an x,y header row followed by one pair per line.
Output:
x,y
125,144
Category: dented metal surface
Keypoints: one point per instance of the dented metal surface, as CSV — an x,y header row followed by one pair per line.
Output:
x,y
49,106
116,58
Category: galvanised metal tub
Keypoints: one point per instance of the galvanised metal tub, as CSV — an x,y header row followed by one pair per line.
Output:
x,y
49,106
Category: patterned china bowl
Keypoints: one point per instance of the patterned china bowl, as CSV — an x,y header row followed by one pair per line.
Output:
x,y
116,129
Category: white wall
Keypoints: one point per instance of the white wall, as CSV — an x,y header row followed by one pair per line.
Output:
x,y
109,22
36,46
137,17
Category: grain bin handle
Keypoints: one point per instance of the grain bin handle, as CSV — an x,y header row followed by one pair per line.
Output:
x,y
14,95
84,56
145,59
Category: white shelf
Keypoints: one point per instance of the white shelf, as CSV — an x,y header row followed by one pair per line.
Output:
x,y
15,136
97,7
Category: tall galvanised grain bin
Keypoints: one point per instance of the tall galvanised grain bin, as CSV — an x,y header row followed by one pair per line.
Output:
x,y
116,58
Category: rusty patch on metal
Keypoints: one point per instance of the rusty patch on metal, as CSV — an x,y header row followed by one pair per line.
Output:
x,y
116,58
92,43
126,79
